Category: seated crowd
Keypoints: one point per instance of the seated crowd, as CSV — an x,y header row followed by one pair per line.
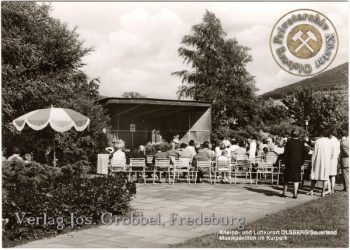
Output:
x,y
226,150
292,151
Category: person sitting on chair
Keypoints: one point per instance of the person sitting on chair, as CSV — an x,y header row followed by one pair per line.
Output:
x,y
186,152
15,155
192,146
224,158
118,156
203,154
160,154
140,153
173,152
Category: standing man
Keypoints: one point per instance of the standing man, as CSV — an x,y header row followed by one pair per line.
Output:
x,y
334,160
294,156
102,141
344,157
102,156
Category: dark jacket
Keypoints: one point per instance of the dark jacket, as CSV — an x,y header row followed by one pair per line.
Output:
x,y
294,152
102,142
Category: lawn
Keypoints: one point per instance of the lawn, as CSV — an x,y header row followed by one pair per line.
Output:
x,y
329,213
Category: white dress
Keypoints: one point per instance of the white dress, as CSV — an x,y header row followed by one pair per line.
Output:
x,y
335,156
252,151
321,159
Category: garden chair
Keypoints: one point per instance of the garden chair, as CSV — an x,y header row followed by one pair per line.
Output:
x,y
271,157
242,166
149,160
117,168
161,165
149,164
173,159
223,167
182,166
206,167
280,171
137,165
264,168
305,166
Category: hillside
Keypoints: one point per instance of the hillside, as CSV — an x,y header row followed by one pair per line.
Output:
x,y
332,79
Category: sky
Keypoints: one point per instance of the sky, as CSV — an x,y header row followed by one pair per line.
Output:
x,y
135,43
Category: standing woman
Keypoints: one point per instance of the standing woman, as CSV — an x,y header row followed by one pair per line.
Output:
x,y
321,161
294,156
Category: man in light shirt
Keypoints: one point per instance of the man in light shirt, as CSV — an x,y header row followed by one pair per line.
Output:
x,y
233,147
344,155
185,151
191,146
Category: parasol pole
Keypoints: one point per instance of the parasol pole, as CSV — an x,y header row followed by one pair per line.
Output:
x,y
54,153
54,146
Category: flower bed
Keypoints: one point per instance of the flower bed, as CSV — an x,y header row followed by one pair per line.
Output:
x,y
151,148
57,199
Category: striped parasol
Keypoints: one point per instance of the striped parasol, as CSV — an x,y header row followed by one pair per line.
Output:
x,y
60,120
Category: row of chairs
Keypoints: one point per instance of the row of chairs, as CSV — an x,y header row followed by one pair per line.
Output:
x,y
171,167
175,169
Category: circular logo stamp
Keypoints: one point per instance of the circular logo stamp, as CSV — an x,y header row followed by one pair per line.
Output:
x,y
304,42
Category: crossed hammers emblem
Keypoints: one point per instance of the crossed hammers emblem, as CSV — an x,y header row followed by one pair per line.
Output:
x,y
311,36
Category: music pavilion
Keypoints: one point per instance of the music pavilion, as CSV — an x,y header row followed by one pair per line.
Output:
x,y
138,121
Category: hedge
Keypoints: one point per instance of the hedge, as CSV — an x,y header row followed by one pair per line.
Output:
x,y
40,190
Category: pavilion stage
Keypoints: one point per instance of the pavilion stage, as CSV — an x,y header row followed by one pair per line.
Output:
x,y
141,120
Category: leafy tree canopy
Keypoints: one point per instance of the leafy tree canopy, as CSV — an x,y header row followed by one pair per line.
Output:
x,y
41,66
133,94
217,73
322,109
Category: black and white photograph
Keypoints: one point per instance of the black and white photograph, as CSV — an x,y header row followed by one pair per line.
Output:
x,y
175,124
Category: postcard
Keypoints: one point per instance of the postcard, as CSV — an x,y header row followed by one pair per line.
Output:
x,y
175,124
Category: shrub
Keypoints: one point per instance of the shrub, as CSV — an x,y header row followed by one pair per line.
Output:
x,y
151,148
38,190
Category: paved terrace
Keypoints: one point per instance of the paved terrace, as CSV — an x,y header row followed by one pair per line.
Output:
x,y
186,200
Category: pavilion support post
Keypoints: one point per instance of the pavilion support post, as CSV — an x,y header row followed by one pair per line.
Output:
x,y
118,127
189,127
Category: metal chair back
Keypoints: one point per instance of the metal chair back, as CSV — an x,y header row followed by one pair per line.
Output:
x,y
271,158
241,157
117,168
204,165
182,163
149,159
162,163
137,164
222,165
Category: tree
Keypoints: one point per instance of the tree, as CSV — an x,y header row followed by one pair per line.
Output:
x,y
322,109
218,74
41,66
132,94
